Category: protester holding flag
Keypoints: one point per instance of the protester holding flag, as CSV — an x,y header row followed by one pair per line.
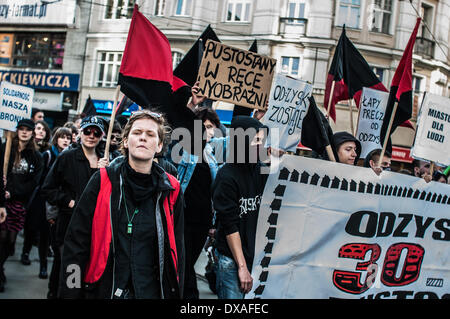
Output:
x,y
237,192
126,233
23,174
372,160
70,174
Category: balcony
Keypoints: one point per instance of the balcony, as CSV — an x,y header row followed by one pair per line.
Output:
x,y
424,47
292,28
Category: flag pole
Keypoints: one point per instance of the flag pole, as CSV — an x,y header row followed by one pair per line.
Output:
x,y
7,153
352,128
388,132
330,99
330,153
111,122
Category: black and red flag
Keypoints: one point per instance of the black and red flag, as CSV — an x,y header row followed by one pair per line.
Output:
x,y
188,67
124,104
350,72
401,90
146,75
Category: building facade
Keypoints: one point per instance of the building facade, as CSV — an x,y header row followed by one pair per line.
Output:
x,y
300,34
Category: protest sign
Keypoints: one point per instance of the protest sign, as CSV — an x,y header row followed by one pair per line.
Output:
x,y
372,107
330,230
433,130
288,105
15,104
236,76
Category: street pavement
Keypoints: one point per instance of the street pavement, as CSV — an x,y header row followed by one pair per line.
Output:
x,y
23,281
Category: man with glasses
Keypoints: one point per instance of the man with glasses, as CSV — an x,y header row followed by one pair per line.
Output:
x,y
71,172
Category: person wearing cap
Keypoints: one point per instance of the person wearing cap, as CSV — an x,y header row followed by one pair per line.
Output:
x,y
25,167
346,148
237,192
70,174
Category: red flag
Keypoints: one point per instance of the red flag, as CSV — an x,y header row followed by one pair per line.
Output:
x,y
146,75
401,90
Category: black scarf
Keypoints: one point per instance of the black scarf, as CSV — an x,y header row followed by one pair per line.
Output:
x,y
140,186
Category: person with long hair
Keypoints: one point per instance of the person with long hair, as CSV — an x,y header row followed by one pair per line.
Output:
x,y
126,233
36,228
24,171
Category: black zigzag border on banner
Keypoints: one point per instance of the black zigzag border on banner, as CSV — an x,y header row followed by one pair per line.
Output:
x,y
271,232
335,183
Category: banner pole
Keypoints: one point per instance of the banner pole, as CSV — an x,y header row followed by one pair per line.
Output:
x,y
388,132
352,128
330,153
7,152
432,169
111,122
330,99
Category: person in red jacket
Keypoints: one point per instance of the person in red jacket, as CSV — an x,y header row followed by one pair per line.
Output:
x,y
125,238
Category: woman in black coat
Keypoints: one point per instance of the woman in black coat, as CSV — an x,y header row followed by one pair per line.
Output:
x,y
23,175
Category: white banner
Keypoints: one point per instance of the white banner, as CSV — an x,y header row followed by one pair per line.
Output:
x,y
372,108
288,105
432,140
55,12
15,104
330,230
48,101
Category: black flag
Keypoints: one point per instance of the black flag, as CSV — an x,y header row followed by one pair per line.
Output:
x,y
89,108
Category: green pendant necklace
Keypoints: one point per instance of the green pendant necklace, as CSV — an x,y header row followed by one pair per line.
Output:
x,y
130,221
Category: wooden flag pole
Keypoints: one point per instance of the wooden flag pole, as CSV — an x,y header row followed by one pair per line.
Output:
x,y
7,152
352,128
432,169
388,132
330,99
111,122
330,153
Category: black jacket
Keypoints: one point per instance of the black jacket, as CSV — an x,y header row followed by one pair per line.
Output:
x,y
22,186
67,179
78,238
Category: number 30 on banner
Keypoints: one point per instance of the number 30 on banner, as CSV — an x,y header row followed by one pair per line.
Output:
x,y
350,281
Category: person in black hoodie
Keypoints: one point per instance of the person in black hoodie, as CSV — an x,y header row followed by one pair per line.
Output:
x,y
126,233
346,148
24,171
237,193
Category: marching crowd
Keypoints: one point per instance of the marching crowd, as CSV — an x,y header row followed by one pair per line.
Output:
x,y
134,221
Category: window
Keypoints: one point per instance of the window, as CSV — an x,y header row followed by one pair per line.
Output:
x,y
382,12
119,9
159,7
349,13
379,72
44,50
183,8
108,68
238,11
296,10
176,58
426,11
290,65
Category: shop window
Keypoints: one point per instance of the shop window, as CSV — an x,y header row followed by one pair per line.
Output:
x,y
119,9
42,51
108,68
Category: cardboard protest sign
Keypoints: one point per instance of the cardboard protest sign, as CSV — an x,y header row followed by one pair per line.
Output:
x,y
372,108
288,105
236,76
15,104
330,230
432,140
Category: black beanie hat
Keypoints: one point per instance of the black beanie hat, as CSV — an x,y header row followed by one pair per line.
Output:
x,y
342,137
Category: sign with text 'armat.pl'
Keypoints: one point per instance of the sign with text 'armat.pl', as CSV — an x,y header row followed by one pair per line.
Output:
x,y
372,108
432,141
16,102
288,105
236,76
329,230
